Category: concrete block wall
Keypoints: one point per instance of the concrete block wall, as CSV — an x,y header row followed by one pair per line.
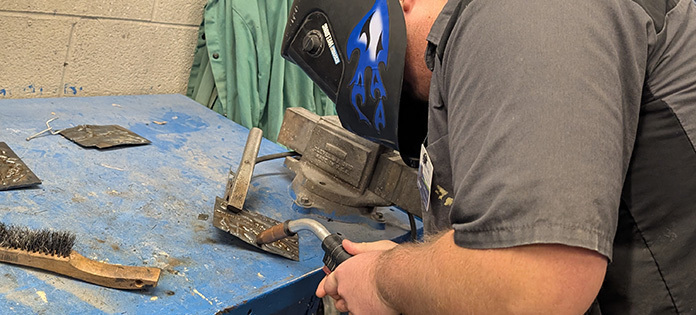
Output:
x,y
55,48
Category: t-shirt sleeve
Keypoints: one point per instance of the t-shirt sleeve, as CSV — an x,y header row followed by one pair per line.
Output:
x,y
543,101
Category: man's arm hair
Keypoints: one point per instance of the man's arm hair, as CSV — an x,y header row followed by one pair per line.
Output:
x,y
440,277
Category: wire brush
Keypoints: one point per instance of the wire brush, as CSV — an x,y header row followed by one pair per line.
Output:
x,y
52,251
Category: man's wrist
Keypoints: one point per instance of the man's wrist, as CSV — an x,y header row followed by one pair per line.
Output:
x,y
384,276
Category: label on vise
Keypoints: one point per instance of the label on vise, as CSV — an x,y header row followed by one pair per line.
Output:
x,y
425,178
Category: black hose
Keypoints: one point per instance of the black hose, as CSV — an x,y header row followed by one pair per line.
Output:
x,y
275,156
412,222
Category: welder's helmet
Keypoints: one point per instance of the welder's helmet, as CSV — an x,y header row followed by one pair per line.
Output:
x,y
354,51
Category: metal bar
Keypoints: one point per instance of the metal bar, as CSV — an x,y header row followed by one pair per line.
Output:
x,y
238,185
48,128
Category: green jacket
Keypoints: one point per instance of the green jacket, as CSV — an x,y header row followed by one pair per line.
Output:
x,y
239,48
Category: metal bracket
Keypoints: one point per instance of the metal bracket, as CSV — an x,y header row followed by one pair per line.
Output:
x,y
238,183
229,214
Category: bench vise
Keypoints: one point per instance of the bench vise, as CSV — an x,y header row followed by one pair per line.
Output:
x,y
342,172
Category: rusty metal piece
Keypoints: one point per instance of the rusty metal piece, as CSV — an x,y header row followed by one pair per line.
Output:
x,y
247,225
13,172
238,183
105,136
229,214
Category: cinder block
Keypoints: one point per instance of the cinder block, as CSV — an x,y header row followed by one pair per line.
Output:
x,y
132,9
109,57
189,12
33,54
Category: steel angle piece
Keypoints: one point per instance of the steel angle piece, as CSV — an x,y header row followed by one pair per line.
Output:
x,y
246,225
230,216
102,136
238,182
13,172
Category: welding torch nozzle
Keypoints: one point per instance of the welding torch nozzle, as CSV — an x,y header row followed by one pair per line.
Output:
x,y
335,254
290,228
274,233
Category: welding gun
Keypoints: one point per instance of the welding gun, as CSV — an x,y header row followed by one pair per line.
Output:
x,y
334,253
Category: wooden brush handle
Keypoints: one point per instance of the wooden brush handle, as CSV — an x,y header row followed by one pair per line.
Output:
x,y
79,267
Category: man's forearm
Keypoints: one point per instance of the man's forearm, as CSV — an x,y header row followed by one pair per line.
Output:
x,y
442,277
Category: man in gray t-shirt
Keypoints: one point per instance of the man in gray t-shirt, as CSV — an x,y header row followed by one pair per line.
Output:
x,y
562,139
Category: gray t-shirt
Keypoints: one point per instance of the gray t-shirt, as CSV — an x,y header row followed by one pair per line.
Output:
x,y
571,122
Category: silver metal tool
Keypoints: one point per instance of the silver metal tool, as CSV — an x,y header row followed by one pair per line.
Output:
x,y
48,128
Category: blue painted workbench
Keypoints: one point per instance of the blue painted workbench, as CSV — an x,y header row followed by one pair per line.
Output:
x,y
152,206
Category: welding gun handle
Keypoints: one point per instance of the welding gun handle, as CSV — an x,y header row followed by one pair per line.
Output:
x,y
334,252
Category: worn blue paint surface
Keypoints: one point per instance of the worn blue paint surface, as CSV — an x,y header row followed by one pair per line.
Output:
x,y
141,206
69,89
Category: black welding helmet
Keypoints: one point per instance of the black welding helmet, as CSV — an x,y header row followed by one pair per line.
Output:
x,y
355,52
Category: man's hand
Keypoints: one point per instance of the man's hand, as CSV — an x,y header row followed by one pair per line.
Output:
x,y
443,278
352,284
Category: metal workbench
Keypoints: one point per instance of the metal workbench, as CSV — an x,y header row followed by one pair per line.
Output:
x,y
152,205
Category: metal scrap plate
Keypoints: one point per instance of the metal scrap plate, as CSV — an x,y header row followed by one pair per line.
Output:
x,y
13,172
102,136
246,225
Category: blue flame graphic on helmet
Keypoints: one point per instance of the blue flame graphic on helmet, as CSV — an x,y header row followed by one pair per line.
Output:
x,y
371,38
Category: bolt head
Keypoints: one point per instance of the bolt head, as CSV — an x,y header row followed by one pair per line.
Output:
x,y
304,200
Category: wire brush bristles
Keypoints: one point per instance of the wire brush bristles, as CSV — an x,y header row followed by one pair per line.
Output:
x,y
41,241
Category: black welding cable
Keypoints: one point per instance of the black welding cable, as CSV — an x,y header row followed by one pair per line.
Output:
x,y
275,156
412,222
